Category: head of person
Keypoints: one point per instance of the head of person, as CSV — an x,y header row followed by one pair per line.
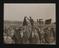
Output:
x,y
30,17
37,19
25,17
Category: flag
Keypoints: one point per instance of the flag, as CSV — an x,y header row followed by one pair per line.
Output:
x,y
48,21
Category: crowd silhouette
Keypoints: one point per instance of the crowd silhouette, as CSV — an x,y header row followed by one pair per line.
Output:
x,y
32,32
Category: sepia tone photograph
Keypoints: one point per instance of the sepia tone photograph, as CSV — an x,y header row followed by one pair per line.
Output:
x,y
29,23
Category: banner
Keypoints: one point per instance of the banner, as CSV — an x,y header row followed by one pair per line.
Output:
x,y
48,21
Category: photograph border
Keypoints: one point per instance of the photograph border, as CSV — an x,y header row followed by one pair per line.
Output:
x,y
2,22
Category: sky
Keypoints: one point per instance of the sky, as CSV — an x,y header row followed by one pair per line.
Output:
x,y
16,12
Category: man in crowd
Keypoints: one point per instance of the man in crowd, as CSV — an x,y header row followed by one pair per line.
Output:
x,y
31,22
25,32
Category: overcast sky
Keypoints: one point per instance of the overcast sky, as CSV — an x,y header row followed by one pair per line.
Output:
x,y
16,12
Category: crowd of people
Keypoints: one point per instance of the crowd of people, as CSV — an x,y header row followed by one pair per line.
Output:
x,y
31,32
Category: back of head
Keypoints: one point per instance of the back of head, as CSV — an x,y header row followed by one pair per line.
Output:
x,y
25,17
29,16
